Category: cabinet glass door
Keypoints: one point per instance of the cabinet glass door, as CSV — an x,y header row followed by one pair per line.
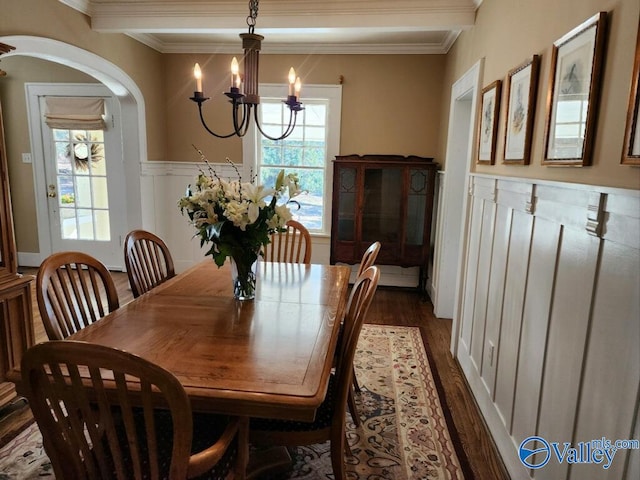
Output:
x,y
381,215
347,204
416,205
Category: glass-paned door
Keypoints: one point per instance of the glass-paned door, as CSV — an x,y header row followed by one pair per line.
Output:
x,y
85,190
81,181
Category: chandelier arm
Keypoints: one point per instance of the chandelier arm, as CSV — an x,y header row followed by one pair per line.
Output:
x,y
287,131
293,115
234,117
242,128
204,124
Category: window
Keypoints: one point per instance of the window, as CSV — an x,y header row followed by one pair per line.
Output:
x,y
308,151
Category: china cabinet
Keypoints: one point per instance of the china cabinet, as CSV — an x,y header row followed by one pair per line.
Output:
x,y
16,319
388,198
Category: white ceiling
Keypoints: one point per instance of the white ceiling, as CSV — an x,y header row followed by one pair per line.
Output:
x,y
289,26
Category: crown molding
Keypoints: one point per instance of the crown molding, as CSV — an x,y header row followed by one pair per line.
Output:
x,y
79,5
303,48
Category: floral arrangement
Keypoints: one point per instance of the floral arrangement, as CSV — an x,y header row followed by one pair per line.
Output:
x,y
236,217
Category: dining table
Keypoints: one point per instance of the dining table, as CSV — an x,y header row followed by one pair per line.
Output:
x,y
267,357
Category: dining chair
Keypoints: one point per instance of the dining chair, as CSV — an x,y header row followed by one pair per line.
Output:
x,y
329,423
93,432
73,290
368,259
148,261
293,245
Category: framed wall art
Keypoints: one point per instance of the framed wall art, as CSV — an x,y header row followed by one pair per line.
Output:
x,y
522,90
574,91
489,113
631,153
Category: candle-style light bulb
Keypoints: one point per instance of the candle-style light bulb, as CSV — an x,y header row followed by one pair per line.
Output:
x,y
298,86
292,80
235,69
197,72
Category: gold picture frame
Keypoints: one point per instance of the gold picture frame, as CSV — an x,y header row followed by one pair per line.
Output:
x,y
631,152
574,94
488,129
522,91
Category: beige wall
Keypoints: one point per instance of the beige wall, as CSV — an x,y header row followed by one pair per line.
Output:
x,y
507,32
52,19
390,103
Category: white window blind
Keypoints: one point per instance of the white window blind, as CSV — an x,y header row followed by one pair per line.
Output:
x,y
75,113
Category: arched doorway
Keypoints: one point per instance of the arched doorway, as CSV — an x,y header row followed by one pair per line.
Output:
x,y
132,108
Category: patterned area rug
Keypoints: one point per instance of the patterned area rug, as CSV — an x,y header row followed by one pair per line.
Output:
x,y
403,436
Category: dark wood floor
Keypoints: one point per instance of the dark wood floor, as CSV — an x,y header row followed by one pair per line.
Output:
x,y
395,306
401,306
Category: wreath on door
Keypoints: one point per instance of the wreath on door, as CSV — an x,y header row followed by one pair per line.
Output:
x,y
83,150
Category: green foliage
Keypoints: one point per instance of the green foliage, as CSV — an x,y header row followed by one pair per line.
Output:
x,y
67,198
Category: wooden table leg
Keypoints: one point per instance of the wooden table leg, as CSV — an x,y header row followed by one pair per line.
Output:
x,y
268,461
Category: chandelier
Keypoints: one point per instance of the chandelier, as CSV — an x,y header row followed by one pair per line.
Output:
x,y
243,92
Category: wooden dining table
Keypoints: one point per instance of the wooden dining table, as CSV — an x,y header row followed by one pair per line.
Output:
x,y
268,357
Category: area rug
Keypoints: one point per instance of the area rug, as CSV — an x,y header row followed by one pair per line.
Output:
x,y
403,435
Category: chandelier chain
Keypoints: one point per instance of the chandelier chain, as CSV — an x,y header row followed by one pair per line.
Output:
x,y
253,14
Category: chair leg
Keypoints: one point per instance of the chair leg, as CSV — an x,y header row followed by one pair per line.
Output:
x,y
338,445
243,449
353,410
355,381
347,447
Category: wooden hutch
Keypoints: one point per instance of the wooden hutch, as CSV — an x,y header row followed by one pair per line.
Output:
x,y
388,198
16,316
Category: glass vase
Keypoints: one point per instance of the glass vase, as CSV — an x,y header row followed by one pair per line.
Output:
x,y
243,276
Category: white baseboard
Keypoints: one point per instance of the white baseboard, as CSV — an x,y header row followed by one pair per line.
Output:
x,y
29,259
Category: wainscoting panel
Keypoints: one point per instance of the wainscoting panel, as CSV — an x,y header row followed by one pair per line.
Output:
x,y
550,326
469,292
513,303
544,248
482,283
499,256
568,327
609,397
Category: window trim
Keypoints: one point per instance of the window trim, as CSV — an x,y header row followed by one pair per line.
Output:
x,y
332,93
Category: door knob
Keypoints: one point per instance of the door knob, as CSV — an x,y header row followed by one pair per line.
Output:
x,y
52,192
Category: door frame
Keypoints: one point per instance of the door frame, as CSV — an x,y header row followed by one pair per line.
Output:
x,y
34,92
452,217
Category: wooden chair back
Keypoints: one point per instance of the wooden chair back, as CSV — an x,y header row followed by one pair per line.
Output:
x,y
293,245
148,261
357,306
369,257
73,290
90,433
